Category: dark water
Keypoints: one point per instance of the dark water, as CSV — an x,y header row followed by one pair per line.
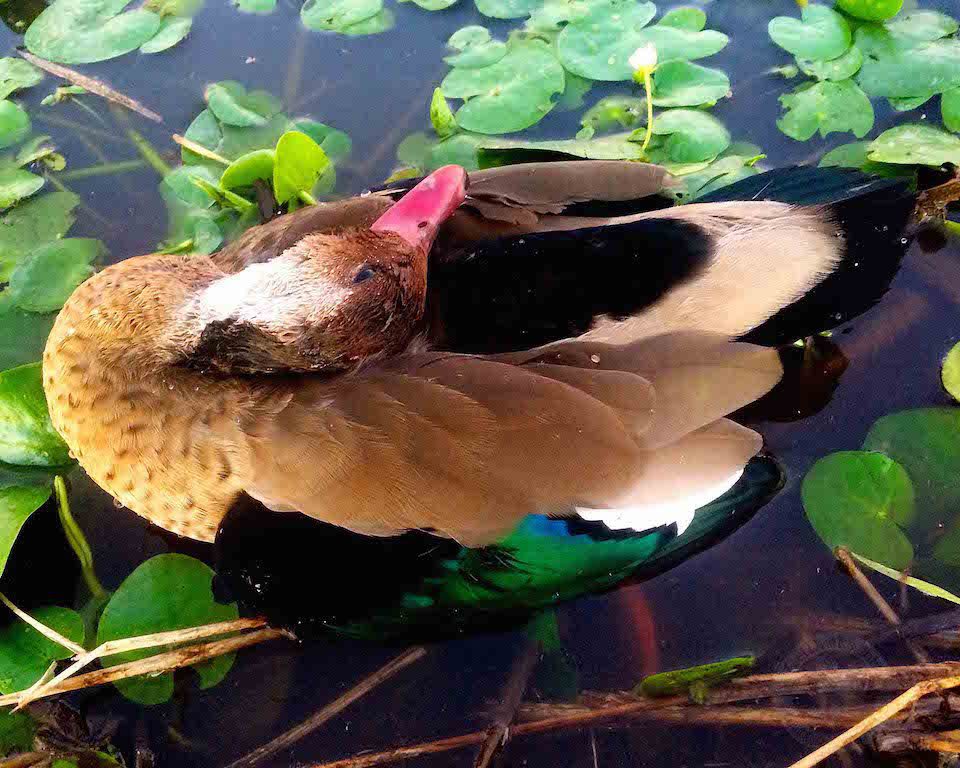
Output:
x,y
741,596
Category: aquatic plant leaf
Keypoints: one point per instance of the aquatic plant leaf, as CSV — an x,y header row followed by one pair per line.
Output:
x,y
575,88
33,223
725,180
17,74
853,155
248,168
205,131
259,7
17,184
22,334
682,681
726,169
27,438
334,142
926,68
599,44
510,95
172,30
950,372
820,33
684,18
165,593
474,48
379,22
231,104
692,135
861,500
17,730
922,26
844,66
950,109
468,37
179,183
506,9
25,654
826,107
17,503
926,587
916,145
44,280
298,166
85,31
432,5
684,84
612,112
510,151
549,18
441,118
338,14
910,103
14,124
871,10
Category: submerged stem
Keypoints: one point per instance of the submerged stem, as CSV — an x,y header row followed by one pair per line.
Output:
x,y
78,542
648,87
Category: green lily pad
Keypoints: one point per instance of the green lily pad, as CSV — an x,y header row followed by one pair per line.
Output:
x,y
853,155
926,68
693,135
165,593
614,147
684,84
14,124
950,373
17,74
338,14
441,118
22,334
204,130
950,109
474,48
844,66
506,9
684,18
922,26
575,88
298,165
27,437
17,503
510,95
172,30
861,500
826,107
871,10
599,44
916,145
16,185
722,172
821,33
467,37
259,7
432,5
231,104
44,280
379,22
25,654
17,731
335,143
612,112
549,18
248,168
85,31
32,223
910,103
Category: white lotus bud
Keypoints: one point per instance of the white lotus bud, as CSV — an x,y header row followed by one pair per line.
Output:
x,y
644,58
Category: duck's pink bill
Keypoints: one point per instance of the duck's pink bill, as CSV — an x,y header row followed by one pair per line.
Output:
x,y
419,213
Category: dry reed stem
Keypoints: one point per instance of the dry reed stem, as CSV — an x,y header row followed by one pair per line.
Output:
x,y
43,629
92,85
199,149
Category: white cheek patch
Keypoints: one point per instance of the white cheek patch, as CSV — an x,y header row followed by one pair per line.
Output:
x,y
644,517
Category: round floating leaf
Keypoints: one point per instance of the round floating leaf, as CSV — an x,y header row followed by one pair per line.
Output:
x,y
950,373
510,95
506,9
16,74
840,68
871,10
599,44
612,112
248,168
950,109
380,22
205,131
853,155
684,18
479,55
861,500
821,34
693,136
298,165
683,84
84,31
259,7
22,335
165,593
335,143
14,124
25,654
172,30
17,184
17,503
922,26
231,104
916,145
442,119
468,37
826,107
45,279
432,5
32,223
575,88
676,43
337,14
17,731
616,147
924,69
910,103
27,437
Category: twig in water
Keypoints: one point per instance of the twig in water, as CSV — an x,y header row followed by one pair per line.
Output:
x,y
92,85
332,709
199,149
43,629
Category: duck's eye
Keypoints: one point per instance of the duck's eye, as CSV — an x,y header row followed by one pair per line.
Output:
x,y
363,274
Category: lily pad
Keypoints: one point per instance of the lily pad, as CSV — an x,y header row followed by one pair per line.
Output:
x,y
844,66
248,168
916,145
22,334
17,503
335,143
871,10
231,104
612,112
922,26
33,223
861,500
926,68
510,95
506,9
44,280
615,147
474,48
599,44
950,109
16,74
910,103
441,118
432,5
379,22
684,84
85,31
259,7
299,164
684,18
14,124
693,135
165,593
820,33
172,30
204,130
828,108
25,654
17,731
16,185
950,373
338,14
27,437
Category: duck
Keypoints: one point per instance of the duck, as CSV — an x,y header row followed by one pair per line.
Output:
x,y
454,401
